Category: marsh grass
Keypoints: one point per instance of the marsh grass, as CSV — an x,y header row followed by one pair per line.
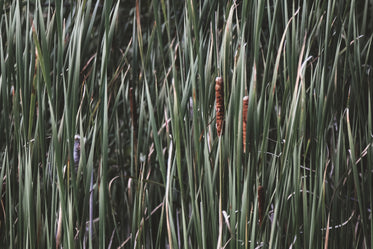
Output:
x,y
136,81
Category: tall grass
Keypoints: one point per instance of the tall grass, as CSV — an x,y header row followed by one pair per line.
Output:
x,y
136,81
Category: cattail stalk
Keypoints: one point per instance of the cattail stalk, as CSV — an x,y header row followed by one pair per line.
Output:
x,y
244,115
219,97
261,203
59,228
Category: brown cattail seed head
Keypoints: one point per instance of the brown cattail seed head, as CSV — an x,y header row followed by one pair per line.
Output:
x,y
134,121
76,151
261,203
219,97
133,108
244,117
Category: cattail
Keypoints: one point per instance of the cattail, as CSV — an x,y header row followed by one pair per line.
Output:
x,y
76,152
261,203
219,97
133,110
244,115
134,123
59,228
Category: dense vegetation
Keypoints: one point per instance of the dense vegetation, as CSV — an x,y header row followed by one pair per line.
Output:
x,y
168,157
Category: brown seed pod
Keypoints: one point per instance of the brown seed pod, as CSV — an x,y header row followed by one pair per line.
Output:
x,y
76,154
261,203
133,109
133,113
219,97
244,117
